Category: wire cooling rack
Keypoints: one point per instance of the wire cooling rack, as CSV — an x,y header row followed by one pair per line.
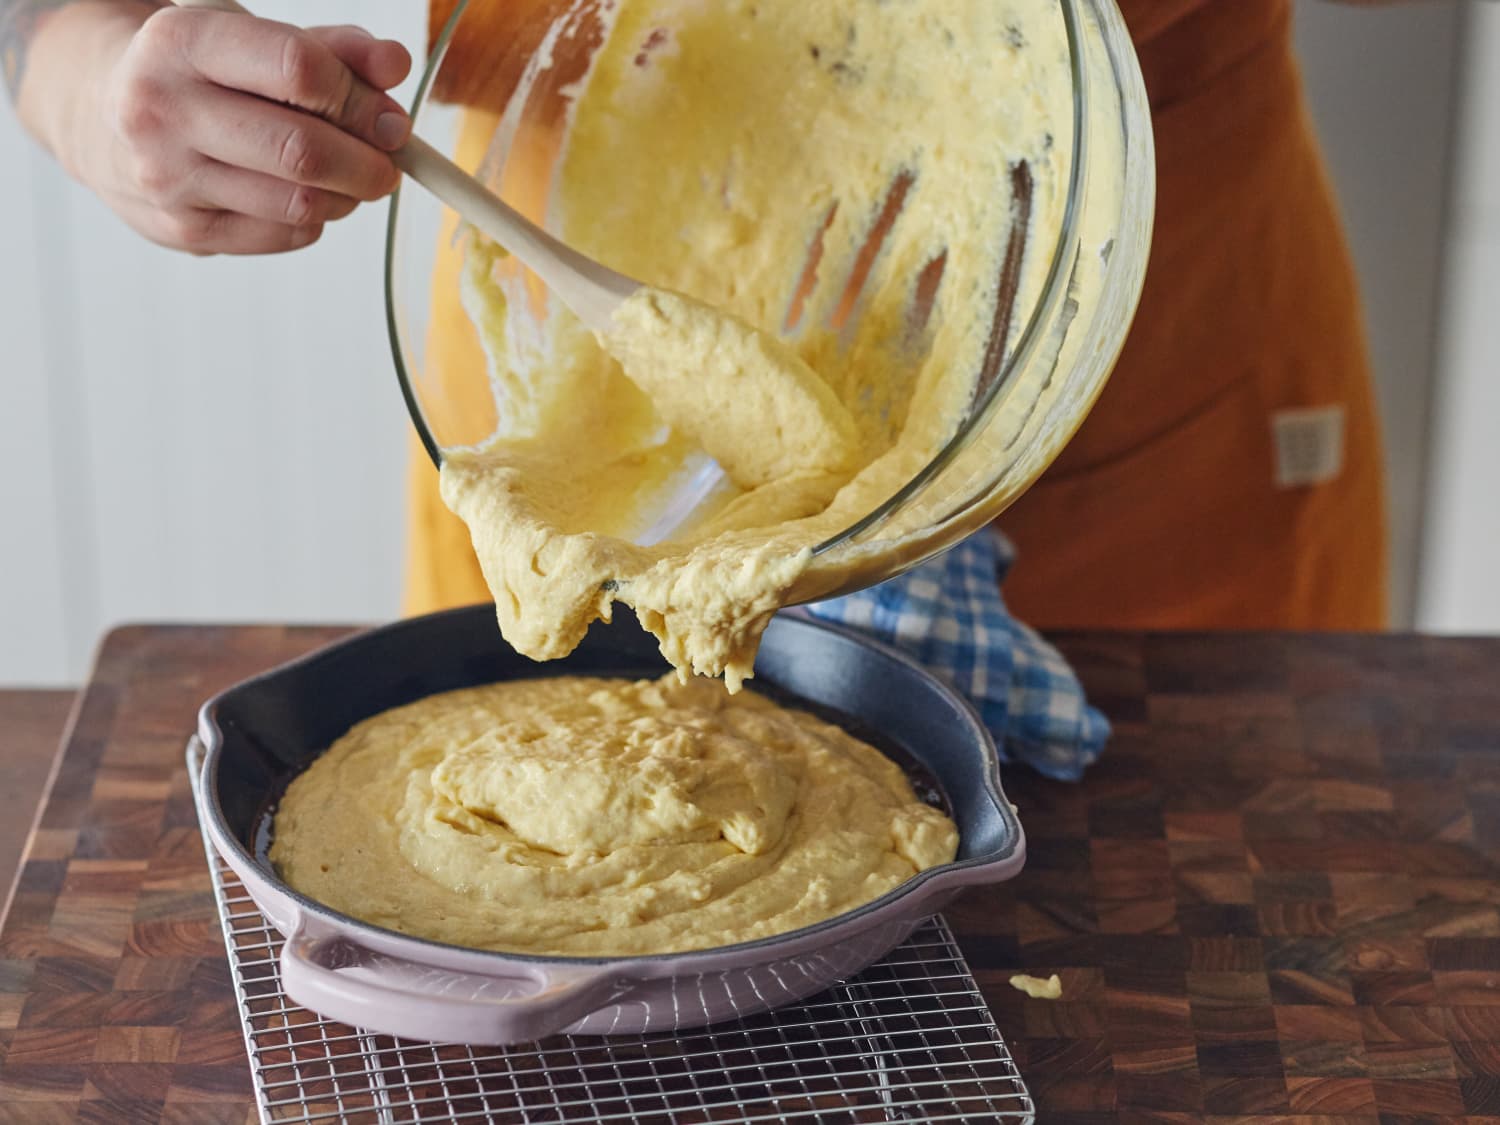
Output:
x,y
908,1040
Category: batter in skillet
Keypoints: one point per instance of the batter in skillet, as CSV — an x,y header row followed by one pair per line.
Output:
x,y
601,817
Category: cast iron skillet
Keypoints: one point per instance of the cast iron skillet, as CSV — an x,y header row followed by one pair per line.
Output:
x,y
259,734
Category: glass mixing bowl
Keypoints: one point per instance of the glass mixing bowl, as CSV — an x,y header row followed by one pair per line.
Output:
x,y
492,102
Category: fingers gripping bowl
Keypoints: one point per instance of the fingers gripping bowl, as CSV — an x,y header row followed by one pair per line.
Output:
x,y
258,735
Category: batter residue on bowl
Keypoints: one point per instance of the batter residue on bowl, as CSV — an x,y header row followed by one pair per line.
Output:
x,y
593,817
877,184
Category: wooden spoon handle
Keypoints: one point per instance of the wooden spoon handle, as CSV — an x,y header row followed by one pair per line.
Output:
x,y
590,289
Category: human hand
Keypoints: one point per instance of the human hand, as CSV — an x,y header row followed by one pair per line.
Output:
x,y
224,133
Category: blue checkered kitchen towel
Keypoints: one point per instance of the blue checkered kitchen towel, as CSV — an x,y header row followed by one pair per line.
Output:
x,y
948,614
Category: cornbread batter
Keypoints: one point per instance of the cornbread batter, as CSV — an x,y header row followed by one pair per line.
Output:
x,y
874,184
743,395
1036,987
601,817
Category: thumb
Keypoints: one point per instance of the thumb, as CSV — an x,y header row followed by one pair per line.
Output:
x,y
382,63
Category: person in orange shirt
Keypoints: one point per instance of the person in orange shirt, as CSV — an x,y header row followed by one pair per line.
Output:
x,y
1229,476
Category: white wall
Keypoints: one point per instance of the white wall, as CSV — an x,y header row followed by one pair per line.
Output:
x,y
1379,88
33,641
162,415
1460,589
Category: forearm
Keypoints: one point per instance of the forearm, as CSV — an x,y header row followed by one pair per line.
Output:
x,y
52,54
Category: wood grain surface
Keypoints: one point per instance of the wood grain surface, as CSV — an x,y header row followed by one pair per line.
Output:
x,y
31,727
1277,897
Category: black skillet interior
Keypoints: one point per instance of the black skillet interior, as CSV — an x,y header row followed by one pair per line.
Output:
x,y
270,728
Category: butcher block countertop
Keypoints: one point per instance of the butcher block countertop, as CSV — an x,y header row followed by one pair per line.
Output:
x,y
1276,896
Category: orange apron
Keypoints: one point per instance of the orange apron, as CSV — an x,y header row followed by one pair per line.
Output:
x,y
1167,510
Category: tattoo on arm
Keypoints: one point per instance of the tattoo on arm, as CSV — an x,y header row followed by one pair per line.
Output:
x,y
19,20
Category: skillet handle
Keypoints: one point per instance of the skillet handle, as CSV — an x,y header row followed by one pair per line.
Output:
x,y
374,991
